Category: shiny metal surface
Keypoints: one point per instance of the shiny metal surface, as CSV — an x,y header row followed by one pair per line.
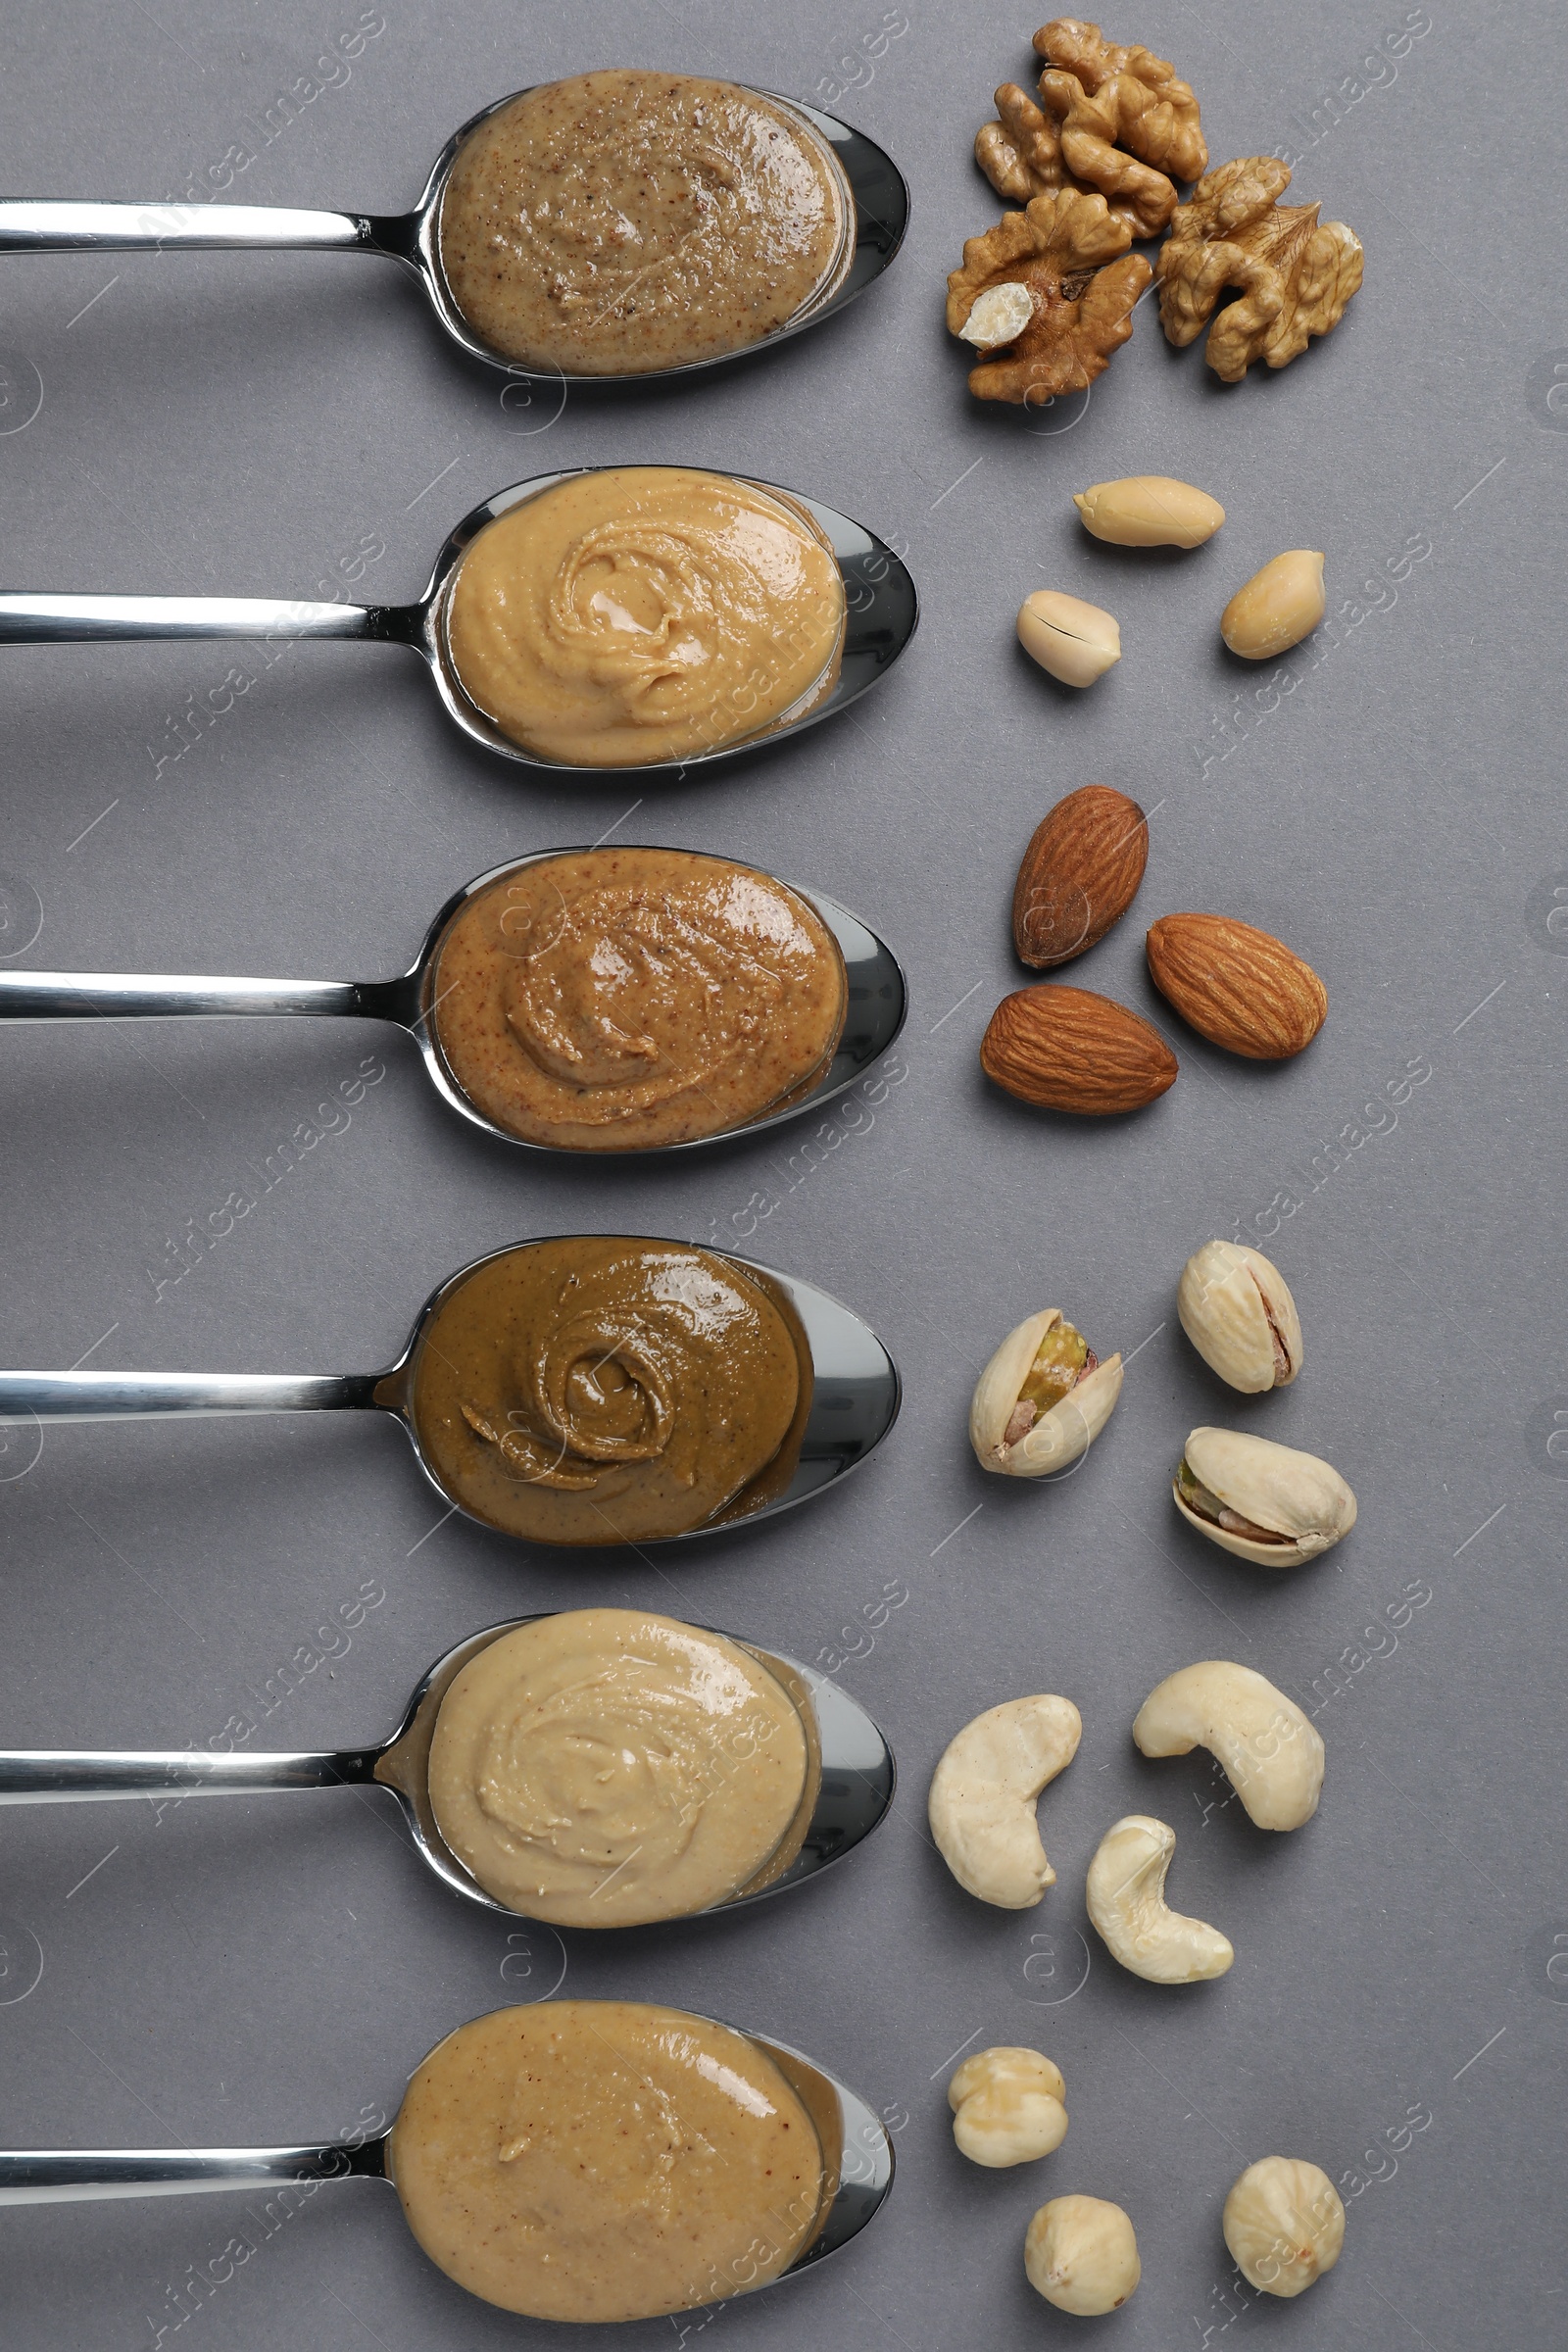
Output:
x,y
877,1004
882,612
880,195
855,1785
855,1402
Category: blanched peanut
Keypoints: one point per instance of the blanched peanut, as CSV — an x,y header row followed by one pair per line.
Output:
x,y
1149,509
1075,642
1279,606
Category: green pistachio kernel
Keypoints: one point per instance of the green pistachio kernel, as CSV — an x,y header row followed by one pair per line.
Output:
x,y
1054,1374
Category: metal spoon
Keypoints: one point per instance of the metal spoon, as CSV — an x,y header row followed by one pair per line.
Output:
x,y
877,1003
881,216
857,2157
881,613
854,1397
854,1790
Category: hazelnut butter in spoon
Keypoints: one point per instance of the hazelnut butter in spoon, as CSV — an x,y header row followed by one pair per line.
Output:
x,y
646,618
620,225
596,1768
606,999
584,1390
573,2161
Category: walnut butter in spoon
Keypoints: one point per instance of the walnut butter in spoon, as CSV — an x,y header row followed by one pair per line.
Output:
x,y
624,223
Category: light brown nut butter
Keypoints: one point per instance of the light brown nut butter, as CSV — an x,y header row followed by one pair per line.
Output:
x,y
1149,510
599,1768
622,223
1277,607
1241,988
1068,256
1295,275
645,613
1081,2253
1008,2107
612,1000
1284,2225
606,2160
1079,874
1066,1048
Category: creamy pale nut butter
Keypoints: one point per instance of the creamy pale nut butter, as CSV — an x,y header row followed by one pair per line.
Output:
x,y
611,1390
604,2160
613,999
644,613
607,1767
625,222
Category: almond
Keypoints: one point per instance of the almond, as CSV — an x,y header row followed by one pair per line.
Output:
x,y
1080,874
1240,988
1065,1049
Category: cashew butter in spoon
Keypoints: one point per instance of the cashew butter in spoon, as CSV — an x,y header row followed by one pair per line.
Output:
x,y
607,1767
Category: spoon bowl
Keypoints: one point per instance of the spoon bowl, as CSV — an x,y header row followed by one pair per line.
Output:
x,y
852,1786
857,2157
876,992
876,186
881,613
847,1405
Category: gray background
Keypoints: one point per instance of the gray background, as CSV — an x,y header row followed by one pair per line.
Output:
x,y
259,1971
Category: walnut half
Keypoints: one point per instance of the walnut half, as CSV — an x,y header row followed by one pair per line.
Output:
x,y
1295,274
1060,256
1112,120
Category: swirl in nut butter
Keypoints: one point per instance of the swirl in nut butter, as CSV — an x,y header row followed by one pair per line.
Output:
x,y
614,999
601,1767
646,614
623,221
611,1390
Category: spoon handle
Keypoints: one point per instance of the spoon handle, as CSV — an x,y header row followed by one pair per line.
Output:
x,y
51,228
70,2175
158,995
107,1396
46,619
70,1776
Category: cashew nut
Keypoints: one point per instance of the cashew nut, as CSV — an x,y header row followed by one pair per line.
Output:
x,y
1082,2256
1284,2225
1126,1900
1270,1752
983,1791
1007,2107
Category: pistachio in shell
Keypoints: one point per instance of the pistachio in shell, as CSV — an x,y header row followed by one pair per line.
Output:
x,y
1262,1502
1236,1307
1042,1400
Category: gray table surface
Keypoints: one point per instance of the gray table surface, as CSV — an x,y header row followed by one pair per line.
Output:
x,y
271,1970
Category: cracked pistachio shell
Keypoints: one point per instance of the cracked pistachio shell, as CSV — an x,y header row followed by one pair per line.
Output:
x,y
1233,1301
1292,1493
1058,1436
